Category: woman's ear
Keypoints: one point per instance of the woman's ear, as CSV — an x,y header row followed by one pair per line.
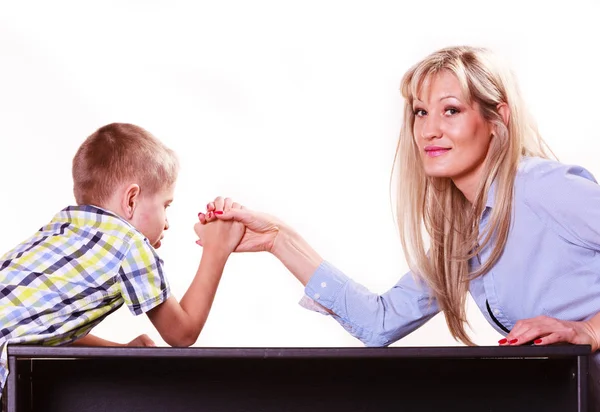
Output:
x,y
129,200
504,112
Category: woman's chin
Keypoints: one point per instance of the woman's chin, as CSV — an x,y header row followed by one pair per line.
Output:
x,y
438,172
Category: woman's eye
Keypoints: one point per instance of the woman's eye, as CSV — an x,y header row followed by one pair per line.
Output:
x,y
419,112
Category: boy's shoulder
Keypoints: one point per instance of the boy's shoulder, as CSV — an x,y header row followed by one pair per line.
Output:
x,y
82,229
94,219
99,226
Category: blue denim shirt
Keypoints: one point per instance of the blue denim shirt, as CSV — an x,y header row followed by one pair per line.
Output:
x,y
550,264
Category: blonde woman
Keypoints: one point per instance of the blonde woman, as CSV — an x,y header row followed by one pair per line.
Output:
x,y
517,230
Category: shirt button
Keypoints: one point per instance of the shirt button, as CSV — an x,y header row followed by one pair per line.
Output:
x,y
323,284
496,312
317,296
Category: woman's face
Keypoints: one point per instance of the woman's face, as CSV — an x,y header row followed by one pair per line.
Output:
x,y
452,136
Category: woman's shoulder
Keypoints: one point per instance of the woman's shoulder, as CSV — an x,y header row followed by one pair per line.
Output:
x,y
539,170
540,179
565,198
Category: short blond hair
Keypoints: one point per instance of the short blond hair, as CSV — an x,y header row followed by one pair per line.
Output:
x,y
121,153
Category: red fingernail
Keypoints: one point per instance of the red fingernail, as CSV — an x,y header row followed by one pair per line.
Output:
x,y
218,212
537,341
200,214
502,341
513,341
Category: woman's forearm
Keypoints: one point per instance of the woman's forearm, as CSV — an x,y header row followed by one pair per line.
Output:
x,y
296,254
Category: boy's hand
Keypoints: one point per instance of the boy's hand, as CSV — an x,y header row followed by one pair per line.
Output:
x,y
142,340
261,231
220,235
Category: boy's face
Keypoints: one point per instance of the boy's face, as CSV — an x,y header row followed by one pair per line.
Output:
x,y
150,216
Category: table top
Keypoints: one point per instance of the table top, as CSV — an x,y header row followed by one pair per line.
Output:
x,y
458,352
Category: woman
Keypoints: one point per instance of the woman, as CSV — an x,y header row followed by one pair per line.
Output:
x,y
518,231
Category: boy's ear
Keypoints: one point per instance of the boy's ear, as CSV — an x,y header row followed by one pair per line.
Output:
x,y
129,200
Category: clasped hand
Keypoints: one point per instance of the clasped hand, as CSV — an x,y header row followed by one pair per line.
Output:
x,y
259,231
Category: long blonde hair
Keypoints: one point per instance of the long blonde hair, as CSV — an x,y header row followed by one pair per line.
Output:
x,y
435,203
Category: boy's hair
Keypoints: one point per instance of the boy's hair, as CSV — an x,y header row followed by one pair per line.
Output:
x,y
121,153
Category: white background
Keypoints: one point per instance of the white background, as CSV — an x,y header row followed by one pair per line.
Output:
x,y
292,108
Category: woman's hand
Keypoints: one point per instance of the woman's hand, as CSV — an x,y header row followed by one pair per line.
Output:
x,y
225,234
544,330
261,229
265,233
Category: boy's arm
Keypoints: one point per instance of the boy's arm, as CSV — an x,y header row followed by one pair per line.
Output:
x,y
91,340
180,323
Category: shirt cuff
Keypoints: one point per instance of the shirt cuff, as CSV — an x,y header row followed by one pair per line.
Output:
x,y
326,284
308,303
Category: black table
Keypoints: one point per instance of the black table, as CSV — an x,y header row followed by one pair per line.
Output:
x,y
440,379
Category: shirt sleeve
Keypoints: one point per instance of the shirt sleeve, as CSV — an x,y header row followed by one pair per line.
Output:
x,y
142,279
566,199
376,320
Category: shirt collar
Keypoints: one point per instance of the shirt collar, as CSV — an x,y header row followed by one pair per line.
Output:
x,y
491,196
86,210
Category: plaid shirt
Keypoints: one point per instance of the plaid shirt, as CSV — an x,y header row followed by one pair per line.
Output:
x,y
82,266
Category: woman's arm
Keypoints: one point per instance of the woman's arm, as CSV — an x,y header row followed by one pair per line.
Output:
x,y
567,199
267,233
296,255
377,320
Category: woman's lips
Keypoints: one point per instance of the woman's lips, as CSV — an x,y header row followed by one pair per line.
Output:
x,y
435,151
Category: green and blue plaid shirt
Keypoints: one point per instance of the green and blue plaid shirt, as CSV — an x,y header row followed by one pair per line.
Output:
x,y
60,283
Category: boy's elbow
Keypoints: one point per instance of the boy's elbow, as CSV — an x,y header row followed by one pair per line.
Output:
x,y
182,342
183,338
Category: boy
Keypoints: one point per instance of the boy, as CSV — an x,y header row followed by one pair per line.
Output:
x,y
91,258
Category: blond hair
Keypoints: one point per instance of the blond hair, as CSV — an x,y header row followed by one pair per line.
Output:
x,y
435,203
121,153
